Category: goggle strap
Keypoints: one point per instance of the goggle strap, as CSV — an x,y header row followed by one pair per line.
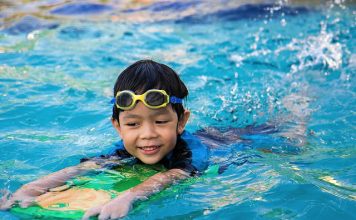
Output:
x,y
113,100
175,100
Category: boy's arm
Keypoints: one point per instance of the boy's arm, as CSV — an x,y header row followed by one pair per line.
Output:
x,y
157,182
58,178
121,205
28,192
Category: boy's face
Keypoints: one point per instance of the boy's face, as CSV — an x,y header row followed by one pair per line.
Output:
x,y
150,134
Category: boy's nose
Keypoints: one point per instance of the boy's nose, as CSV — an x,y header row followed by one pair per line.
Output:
x,y
148,131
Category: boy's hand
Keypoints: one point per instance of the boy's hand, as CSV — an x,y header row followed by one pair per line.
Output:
x,y
116,208
5,199
25,197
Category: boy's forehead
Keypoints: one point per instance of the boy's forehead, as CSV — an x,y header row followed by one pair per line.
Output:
x,y
140,111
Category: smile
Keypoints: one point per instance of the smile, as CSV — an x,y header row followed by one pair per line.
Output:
x,y
148,150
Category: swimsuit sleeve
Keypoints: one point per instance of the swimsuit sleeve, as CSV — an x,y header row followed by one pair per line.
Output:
x,y
200,152
189,155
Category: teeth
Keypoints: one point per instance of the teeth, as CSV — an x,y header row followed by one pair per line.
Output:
x,y
149,148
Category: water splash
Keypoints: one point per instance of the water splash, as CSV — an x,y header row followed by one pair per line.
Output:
x,y
314,51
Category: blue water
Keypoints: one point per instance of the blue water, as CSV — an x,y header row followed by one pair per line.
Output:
x,y
59,61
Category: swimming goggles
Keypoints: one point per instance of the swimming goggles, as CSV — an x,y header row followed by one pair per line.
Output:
x,y
152,98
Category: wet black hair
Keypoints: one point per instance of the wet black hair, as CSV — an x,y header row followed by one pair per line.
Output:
x,y
144,75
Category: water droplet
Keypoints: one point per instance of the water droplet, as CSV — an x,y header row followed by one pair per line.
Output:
x,y
283,22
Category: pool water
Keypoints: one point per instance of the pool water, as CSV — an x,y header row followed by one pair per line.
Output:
x,y
60,59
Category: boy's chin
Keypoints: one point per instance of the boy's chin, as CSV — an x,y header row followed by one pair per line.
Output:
x,y
149,161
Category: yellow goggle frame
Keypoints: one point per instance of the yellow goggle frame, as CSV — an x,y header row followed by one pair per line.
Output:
x,y
153,98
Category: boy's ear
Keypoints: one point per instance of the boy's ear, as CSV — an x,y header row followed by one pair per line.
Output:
x,y
183,121
116,125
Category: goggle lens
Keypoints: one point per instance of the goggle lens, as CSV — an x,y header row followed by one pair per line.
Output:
x,y
125,99
155,98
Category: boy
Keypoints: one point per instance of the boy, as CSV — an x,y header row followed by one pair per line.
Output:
x,y
149,117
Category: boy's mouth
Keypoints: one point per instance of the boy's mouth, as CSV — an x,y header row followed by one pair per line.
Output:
x,y
148,150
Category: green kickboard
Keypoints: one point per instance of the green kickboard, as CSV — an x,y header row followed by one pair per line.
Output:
x,y
111,181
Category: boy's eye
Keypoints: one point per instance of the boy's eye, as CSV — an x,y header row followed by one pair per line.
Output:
x,y
161,122
131,124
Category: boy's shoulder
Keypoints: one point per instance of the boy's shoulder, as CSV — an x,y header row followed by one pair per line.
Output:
x,y
199,151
